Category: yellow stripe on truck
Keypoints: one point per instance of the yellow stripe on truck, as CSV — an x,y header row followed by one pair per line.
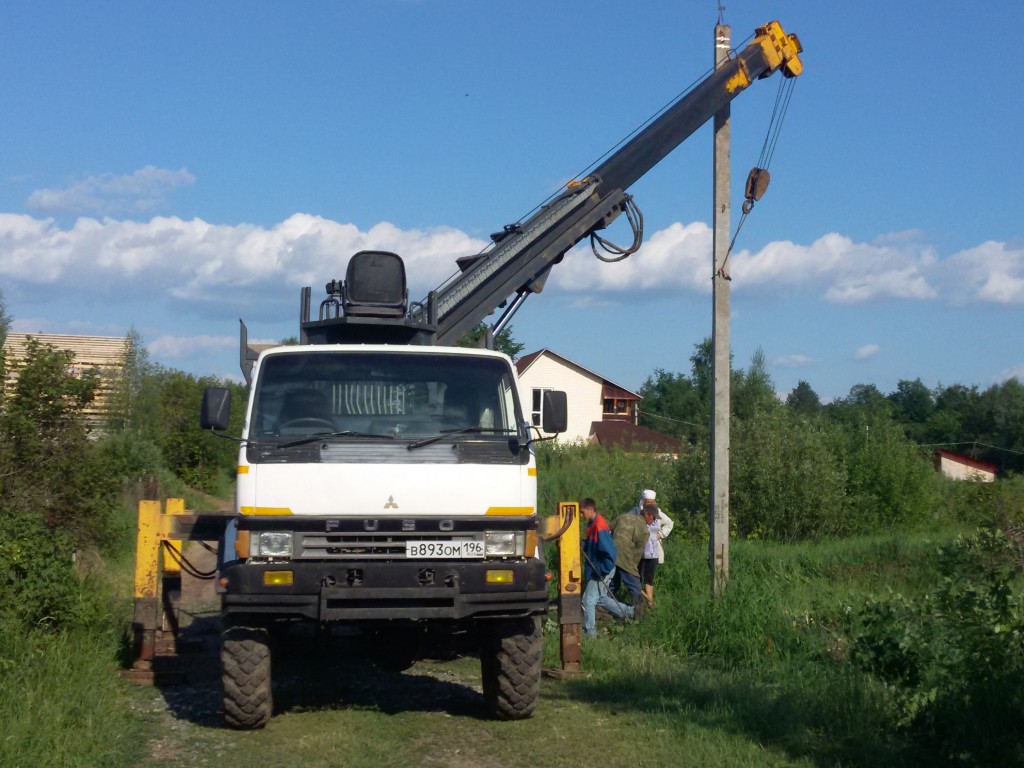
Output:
x,y
510,511
266,510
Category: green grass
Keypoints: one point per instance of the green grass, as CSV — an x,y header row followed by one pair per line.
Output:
x,y
63,702
758,677
783,600
767,662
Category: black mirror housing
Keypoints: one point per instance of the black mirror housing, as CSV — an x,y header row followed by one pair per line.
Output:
x,y
216,411
555,412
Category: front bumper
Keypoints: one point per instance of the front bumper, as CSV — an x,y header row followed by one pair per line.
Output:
x,y
384,590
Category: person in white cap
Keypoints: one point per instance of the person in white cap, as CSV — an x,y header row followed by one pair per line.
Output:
x,y
654,552
647,496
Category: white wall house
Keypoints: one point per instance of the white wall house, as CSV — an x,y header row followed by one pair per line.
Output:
x,y
591,398
961,467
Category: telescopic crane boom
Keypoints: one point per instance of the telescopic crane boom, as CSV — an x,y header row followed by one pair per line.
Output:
x,y
523,253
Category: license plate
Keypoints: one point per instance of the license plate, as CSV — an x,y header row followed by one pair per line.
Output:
x,y
459,549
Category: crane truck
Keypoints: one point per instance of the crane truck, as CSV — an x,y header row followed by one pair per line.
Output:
x,y
386,478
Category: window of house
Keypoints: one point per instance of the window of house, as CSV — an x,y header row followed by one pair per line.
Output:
x,y
538,405
616,406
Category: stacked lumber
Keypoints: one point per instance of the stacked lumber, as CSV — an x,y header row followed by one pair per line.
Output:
x,y
103,354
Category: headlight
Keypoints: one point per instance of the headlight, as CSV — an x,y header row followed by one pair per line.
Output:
x,y
504,543
274,544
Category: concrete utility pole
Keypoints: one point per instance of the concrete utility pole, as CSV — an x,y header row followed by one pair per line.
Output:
x,y
718,522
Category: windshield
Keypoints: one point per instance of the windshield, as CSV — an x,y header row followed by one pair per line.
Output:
x,y
357,394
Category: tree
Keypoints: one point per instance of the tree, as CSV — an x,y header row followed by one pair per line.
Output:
x,y
912,405
171,421
503,342
956,416
1003,429
672,405
127,388
5,326
46,457
864,403
57,494
804,400
702,370
753,390
678,404
5,320
788,482
985,425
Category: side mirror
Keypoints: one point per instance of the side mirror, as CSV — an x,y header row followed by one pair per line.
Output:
x,y
555,412
216,412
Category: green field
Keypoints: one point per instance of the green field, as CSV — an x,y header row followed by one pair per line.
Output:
x,y
775,672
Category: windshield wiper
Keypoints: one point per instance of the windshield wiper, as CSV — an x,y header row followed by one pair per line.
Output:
x,y
446,433
326,435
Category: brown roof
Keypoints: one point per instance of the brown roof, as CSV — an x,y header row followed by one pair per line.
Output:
x,y
626,436
610,390
526,361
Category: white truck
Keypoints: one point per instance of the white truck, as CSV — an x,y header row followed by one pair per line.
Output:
x,y
391,488
386,478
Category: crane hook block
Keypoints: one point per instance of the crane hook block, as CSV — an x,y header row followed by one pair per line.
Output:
x,y
757,183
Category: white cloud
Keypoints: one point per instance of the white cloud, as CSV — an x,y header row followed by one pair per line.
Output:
x,y
844,271
590,301
793,361
896,266
221,268
108,194
177,347
675,257
195,261
991,272
866,351
1016,372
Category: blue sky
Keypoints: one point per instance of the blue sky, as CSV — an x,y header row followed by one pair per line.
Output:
x,y
175,166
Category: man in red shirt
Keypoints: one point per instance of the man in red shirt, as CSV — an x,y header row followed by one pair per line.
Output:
x,y
599,563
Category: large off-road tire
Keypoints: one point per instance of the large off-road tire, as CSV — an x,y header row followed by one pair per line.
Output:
x,y
510,666
245,677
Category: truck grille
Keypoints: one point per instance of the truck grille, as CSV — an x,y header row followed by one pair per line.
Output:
x,y
349,546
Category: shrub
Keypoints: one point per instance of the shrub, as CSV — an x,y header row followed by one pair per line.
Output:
x,y
57,494
955,657
787,481
889,481
37,578
613,478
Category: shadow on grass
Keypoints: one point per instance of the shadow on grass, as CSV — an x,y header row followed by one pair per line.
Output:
x,y
338,676
311,674
830,720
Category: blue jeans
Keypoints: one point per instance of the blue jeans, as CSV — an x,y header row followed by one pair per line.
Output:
x,y
609,602
591,595
631,582
615,608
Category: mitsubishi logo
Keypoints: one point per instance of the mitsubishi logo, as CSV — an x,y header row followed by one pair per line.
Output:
x,y
391,503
